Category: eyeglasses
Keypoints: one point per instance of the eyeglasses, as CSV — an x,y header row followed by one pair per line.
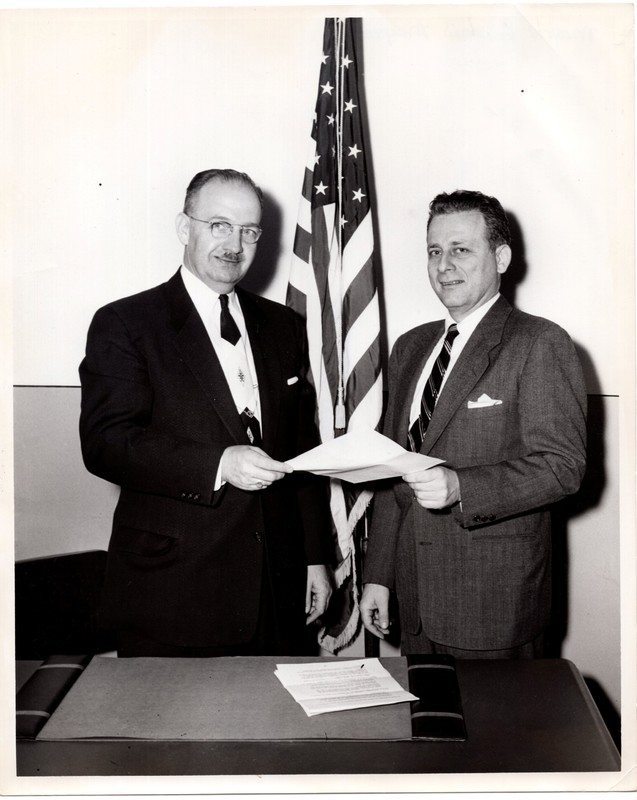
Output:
x,y
220,229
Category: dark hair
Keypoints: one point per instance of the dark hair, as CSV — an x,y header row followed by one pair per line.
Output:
x,y
495,219
225,175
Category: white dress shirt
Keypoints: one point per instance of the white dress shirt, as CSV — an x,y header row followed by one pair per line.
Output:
x,y
237,361
465,329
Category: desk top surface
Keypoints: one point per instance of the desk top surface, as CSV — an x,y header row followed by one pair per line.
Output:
x,y
521,716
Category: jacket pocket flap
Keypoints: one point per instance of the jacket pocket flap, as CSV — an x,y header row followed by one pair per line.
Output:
x,y
143,542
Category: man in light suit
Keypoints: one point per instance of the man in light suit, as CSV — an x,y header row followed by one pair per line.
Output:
x,y
466,546
194,393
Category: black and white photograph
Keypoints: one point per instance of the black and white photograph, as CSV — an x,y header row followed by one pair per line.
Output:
x,y
317,464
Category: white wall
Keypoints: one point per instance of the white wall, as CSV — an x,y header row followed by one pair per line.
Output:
x,y
110,112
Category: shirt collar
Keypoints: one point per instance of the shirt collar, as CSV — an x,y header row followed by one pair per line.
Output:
x,y
471,322
201,295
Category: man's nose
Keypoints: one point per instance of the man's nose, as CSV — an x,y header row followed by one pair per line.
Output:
x,y
445,262
234,242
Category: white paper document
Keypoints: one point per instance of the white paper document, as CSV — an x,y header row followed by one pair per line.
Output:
x,y
337,686
362,455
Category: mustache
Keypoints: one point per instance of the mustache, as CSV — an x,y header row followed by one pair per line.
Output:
x,y
235,257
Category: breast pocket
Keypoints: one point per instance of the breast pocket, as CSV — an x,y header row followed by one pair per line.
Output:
x,y
290,397
489,434
488,412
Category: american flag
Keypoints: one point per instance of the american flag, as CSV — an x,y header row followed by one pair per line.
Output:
x,y
332,285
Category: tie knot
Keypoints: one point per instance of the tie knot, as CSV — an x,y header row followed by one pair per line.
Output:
x,y
223,299
452,332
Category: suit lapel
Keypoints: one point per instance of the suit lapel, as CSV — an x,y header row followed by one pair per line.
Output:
x,y
412,366
470,367
267,365
195,347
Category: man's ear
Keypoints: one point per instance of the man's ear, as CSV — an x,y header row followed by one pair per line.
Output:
x,y
182,226
502,257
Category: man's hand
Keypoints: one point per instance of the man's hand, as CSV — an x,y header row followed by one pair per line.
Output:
x,y
251,469
437,487
374,608
318,592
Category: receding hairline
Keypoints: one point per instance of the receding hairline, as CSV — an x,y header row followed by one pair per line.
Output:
x,y
227,176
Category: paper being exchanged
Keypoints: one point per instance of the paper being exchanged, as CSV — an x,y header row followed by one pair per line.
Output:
x,y
320,687
361,455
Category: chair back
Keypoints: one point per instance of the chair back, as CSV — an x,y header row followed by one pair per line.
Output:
x,y
56,602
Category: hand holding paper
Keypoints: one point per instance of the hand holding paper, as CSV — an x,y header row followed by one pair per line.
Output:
x,y
361,455
435,488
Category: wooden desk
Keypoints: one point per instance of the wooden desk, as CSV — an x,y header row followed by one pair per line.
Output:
x,y
521,716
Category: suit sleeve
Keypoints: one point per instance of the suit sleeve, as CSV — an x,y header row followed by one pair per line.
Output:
x,y
379,561
551,441
120,441
312,491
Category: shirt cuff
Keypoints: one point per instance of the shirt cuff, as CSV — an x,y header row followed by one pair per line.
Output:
x,y
218,481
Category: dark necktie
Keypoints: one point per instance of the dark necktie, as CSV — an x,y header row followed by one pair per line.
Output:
x,y
253,429
430,392
229,329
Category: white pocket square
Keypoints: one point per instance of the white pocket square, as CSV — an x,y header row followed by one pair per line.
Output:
x,y
484,401
292,380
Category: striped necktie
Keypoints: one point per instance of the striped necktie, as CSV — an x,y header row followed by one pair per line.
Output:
x,y
431,391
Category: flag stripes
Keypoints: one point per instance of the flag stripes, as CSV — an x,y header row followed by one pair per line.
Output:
x,y
332,285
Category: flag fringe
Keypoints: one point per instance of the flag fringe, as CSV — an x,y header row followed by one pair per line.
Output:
x,y
335,643
346,568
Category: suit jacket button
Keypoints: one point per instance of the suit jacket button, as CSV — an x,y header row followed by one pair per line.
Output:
x,y
491,517
258,536
196,496
183,495
477,518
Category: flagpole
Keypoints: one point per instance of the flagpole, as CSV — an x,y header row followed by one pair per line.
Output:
x,y
340,419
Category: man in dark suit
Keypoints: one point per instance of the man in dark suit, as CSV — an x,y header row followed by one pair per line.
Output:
x,y
466,546
194,393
